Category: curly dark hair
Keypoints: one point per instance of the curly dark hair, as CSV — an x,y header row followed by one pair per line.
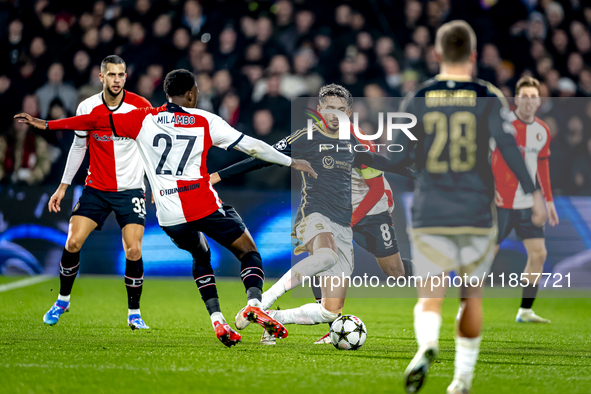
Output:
x,y
333,90
179,82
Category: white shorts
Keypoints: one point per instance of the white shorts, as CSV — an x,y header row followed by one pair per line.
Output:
x,y
470,254
315,224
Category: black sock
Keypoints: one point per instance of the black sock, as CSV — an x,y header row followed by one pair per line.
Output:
x,y
529,296
252,275
134,281
69,267
407,264
205,281
213,305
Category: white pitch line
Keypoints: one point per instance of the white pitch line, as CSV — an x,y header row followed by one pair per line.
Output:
x,y
25,282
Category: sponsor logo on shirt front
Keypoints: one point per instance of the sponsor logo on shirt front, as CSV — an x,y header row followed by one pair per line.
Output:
x,y
166,192
107,137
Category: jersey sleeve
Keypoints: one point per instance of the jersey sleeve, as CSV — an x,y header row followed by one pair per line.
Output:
x,y
544,178
222,134
129,124
82,110
77,150
395,165
82,122
545,151
251,164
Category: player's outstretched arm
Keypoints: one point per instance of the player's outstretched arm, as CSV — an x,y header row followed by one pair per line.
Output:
x,y
262,151
80,122
396,165
242,167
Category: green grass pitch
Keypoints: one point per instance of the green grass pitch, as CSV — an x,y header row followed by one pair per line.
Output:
x,y
91,349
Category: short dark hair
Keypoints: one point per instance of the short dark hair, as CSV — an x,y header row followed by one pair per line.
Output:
x,y
111,59
179,82
455,41
333,90
527,82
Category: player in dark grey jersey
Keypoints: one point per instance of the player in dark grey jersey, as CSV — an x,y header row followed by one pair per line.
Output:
x,y
452,219
323,221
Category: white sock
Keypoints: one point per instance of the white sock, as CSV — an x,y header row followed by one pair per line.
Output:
x,y
254,302
63,298
524,310
217,316
133,312
427,325
306,314
276,291
321,260
466,356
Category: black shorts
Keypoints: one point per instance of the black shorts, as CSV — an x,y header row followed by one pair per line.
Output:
x,y
520,220
129,206
375,233
223,226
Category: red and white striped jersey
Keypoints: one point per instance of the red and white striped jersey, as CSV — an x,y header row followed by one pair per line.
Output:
x,y
370,191
173,142
533,140
115,163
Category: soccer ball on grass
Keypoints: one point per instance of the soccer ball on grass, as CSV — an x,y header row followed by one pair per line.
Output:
x,y
348,333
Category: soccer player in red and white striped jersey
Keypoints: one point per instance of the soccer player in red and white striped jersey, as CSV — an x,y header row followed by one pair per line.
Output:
x,y
174,141
514,206
115,182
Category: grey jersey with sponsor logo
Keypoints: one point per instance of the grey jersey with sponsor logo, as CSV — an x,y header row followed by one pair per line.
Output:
x,y
330,193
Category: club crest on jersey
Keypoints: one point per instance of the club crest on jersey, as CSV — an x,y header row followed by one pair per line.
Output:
x,y
539,136
328,162
177,119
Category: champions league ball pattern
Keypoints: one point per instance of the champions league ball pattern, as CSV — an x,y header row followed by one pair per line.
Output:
x,y
348,333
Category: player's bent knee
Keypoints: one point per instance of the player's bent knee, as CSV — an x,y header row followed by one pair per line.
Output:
x,y
538,255
133,253
73,245
325,258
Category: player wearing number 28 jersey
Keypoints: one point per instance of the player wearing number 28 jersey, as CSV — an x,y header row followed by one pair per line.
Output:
x,y
174,141
452,218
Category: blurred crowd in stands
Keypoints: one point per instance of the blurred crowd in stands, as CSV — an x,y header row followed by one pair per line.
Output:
x,y
251,58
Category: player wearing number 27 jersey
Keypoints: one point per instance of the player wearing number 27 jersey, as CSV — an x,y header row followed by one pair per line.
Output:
x,y
174,141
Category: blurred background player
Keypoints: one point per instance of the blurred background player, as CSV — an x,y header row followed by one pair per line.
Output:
x,y
115,183
187,204
514,206
324,218
452,221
